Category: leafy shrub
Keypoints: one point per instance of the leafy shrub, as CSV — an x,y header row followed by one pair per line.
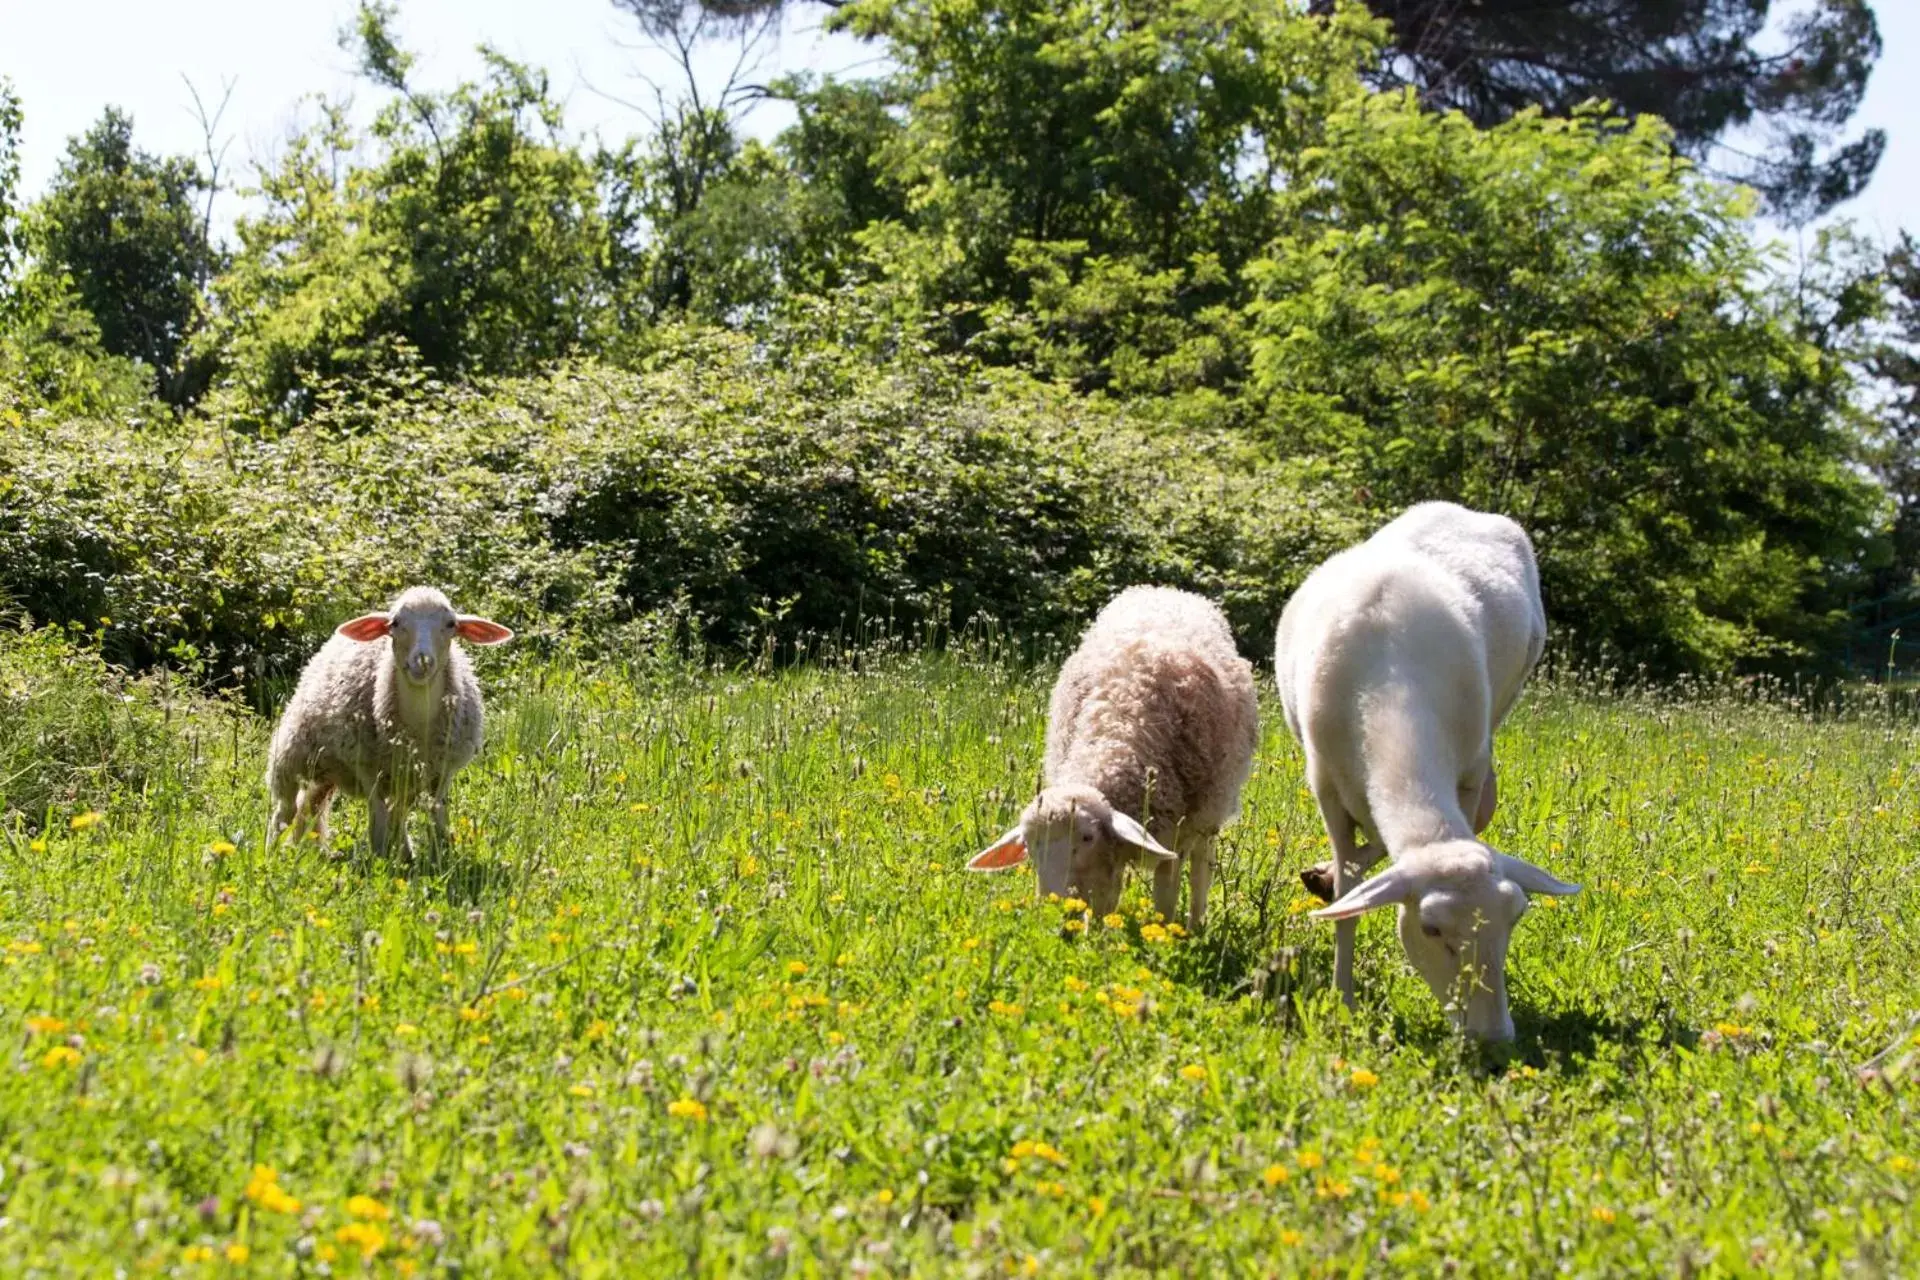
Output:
x,y
750,497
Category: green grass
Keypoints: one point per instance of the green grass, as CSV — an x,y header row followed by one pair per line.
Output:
x,y
701,988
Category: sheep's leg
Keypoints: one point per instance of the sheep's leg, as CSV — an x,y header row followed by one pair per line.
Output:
x,y
377,819
1166,887
402,806
1318,878
1340,832
1484,803
310,813
321,806
1199,854
284,791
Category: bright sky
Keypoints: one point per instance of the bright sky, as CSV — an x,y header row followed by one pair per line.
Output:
x,y
69,59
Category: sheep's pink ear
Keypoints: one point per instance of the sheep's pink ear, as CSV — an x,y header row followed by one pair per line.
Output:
x,y
1010,850
369,626
481,631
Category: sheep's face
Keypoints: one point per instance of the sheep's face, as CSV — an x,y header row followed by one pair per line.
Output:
x,y
1069,832
1079,845
421,627
1459,902
1456,934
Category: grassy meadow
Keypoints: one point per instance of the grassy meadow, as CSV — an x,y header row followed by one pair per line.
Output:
x,y
701,988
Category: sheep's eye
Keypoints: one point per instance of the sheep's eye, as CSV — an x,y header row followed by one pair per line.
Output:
x,y
449,624
1431,930
1086,837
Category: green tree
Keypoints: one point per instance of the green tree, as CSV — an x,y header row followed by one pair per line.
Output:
x,y
466,234
1085,182
1763,88
11,120
1896,362
1558,319
122,227
1704,66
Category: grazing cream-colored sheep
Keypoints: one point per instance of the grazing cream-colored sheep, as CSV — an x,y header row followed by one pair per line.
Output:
x,y
1150,738
388,709
1397,660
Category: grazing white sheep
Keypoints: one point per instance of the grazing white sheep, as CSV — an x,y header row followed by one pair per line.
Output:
x,y
388,709
1153,715
1397,660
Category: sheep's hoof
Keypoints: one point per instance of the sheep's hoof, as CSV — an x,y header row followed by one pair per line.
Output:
x,y
1319,881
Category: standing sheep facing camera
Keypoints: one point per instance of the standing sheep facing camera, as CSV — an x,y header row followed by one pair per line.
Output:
x,y
1397,660
388,709
1153,715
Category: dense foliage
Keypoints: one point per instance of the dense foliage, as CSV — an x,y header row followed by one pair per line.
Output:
x,y
1157,229
740,502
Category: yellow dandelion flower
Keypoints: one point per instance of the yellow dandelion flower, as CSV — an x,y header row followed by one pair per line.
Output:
x,y
687,1109
222,849
1602,1214
405,1029
1363,1078
1005,1009
369,1208
969,944
263,1188
45,1026
1420,1201
1193,1071
884,1195
585,1091
82,821
1900,1165
1290,1237
1076,985
1275,1174
61,1055
196,1253
797,968
211,982
364,1236
237,1253
1310,1159
1154,933
1073,905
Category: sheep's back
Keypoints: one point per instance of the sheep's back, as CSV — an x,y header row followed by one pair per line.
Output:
x,y
1156,684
